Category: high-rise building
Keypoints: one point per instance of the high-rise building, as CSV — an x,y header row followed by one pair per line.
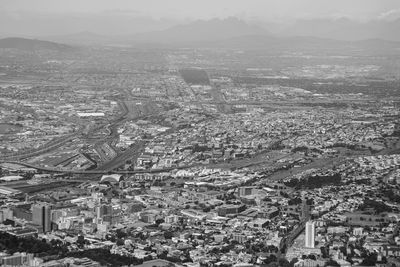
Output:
x,y
310,234
246,191
102,210
41,215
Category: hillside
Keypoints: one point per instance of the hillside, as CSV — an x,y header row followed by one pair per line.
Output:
x,y
33,45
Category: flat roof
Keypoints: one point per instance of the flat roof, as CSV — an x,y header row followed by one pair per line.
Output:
x,y
8,190
11,178
91,114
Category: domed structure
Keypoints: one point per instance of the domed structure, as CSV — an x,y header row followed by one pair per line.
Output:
x,y
111,178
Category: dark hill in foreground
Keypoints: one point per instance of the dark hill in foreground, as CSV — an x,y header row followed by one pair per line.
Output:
x,y
33,45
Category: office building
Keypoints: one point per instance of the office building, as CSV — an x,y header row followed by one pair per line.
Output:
x,y
103,210
41,215
310,234
17,259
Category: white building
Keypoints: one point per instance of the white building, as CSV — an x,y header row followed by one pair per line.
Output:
x,y
310,234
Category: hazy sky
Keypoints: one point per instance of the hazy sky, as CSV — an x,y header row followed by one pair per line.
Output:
x,y
63,16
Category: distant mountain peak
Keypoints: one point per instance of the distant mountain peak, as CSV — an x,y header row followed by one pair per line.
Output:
x,y
202,31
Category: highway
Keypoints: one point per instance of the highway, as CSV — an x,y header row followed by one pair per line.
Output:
x,y
52,145
120,160
287,241
108,166
100,171
125,112
59,142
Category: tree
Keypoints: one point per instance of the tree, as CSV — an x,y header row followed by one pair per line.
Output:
x,y
270,259
81,241
120,242
159,221
168,235
121,234
206,209
295,201
27,176
293,261
105,258
370,260
324,252
283,262
332,263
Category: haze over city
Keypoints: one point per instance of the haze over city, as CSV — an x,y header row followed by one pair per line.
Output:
x,y
207,133
121,17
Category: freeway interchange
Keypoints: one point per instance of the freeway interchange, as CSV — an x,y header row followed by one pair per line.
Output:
x,y
112,163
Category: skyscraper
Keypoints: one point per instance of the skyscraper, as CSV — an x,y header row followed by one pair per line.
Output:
x,y
41,215
103,210
310,234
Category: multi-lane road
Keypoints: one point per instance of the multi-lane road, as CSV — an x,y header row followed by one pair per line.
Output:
x,y
141,109
52,145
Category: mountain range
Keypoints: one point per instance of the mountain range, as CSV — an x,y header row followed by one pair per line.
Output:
x,y
236,34
345,29
217,29
201,31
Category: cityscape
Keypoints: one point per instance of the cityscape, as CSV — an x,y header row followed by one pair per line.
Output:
x,y
213,143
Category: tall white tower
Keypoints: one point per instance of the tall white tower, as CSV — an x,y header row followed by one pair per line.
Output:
x,y
310,234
